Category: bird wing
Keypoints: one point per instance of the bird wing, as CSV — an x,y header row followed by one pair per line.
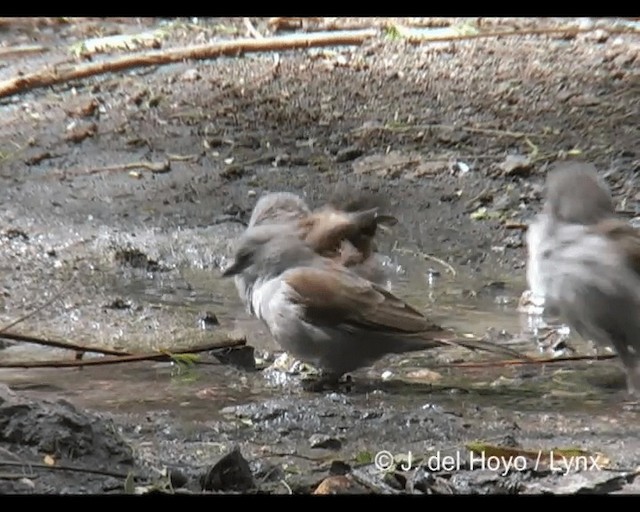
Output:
x,y
334,296
626,237
326,229
596,292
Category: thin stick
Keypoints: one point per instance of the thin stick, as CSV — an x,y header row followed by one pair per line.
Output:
x,y
60,344
251,29
151,356
427,257
570,31
37,310
10,453
63,468
13,51
517,362
48,76
286,486
516,225
484,131
154,167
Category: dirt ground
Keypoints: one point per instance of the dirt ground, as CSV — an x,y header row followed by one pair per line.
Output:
x,y
456,135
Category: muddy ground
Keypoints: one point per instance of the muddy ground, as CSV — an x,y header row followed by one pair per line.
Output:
x,y
455,135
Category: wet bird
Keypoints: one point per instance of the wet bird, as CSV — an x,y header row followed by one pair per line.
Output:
x,y
587,263
278,207
575,195
345,235
323,313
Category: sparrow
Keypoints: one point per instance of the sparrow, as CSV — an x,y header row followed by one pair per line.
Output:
x,y
588,264
278,207
588,202
323,313
346,236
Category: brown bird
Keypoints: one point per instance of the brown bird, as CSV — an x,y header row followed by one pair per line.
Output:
x,y
347,237
587,263
574,195
323,313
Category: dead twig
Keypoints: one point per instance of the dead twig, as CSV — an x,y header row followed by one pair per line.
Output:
x,y
286,486
128,358
532,360
426,257
470,204
25,338
415,38
154,167
183,158
290,23
253,32
471,129
47,77
63,467
21,319
257,160
19,51
516,225
10,454
497,132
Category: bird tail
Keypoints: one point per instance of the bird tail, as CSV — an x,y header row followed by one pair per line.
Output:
x,y
484,346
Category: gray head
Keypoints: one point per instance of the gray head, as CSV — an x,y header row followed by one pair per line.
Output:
x,y
278,207
268,251
575,194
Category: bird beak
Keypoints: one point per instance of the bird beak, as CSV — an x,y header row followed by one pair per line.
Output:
x,y
365,217
386,220
233,269
382,222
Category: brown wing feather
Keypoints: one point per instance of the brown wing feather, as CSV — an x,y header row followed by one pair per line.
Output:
x,y
336,296
326,229
626,236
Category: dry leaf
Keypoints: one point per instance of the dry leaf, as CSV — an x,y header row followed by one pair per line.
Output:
x,y
334,485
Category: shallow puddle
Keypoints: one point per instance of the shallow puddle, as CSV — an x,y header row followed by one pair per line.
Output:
x,y
469,306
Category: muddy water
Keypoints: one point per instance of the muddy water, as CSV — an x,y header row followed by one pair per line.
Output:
x,y
469,305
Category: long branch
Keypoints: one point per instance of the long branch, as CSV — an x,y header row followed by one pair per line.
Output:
x,y
149,356
26,316
60,344
49,76
62,467
519,362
